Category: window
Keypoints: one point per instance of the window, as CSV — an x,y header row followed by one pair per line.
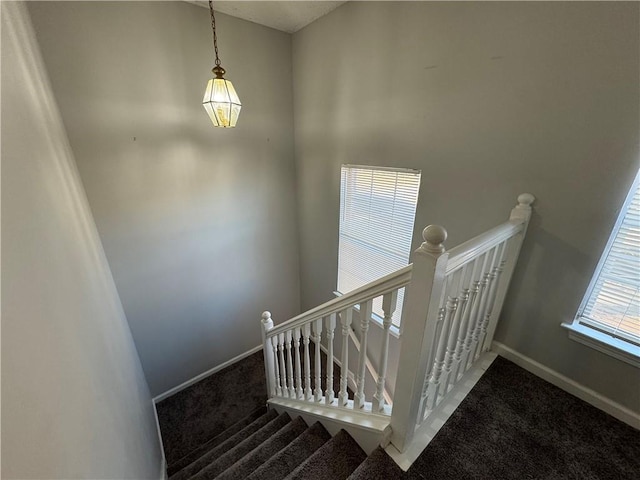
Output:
x,y
377,211
609,316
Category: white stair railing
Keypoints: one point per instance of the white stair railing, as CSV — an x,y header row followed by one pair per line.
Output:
x,y
452,304
320,324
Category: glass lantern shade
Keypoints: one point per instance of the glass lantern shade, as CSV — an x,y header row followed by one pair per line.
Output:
x,y
221,103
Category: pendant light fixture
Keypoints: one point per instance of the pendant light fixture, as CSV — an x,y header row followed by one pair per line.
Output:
x,y
220,98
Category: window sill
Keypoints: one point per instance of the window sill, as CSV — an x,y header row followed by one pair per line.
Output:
x,y
393,329
604,343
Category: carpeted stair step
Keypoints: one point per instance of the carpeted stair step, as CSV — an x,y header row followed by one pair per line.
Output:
x,y
217,440
286,461
335,460
378,465
194,467
247,464
225,461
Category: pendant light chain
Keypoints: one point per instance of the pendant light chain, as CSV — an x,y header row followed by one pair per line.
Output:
x,y
215,38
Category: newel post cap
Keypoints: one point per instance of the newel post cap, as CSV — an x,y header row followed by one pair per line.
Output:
x,y
434,236
525,200
266,321
522,210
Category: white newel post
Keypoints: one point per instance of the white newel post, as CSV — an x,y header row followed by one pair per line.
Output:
x,y
419,321
267,324
520,213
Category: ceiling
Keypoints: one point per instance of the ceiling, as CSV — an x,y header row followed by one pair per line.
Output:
x,y
287,16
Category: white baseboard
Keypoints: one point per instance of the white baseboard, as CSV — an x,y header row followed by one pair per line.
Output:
x,y
163,469
203,375
592,397
163,460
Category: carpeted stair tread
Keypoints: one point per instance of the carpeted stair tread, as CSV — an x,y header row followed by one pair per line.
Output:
x,y
377,466
230,457
217,440
196,414
335,460
194,467
247,464
286,461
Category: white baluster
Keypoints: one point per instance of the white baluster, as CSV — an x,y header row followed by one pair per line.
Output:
x,y
283,370
317,338
434,382
306,333
474,308
330,324
292,389
484,306
463,333
431,362
389,301
345,321
365,318
459,278
494,279
296,346
274,346
433,344
483,295
267,324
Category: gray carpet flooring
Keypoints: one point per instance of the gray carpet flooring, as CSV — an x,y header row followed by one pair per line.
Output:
x,y
196,415
201,452
515,425
250,462
217,451
512,425
336,459
191,419
288,459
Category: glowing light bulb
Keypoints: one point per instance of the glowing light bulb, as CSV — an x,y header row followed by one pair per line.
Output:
x,y
221,102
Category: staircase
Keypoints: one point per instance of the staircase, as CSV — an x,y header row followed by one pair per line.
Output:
x,y
452,305
271,446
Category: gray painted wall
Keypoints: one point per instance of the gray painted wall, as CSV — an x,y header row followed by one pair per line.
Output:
x,y
198,224
75,403
489,100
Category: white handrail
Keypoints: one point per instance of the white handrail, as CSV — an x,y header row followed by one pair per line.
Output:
x,y
458,256
482,243
388,283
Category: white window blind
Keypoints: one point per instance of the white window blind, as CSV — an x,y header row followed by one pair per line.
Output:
x,y
612,304
377,212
